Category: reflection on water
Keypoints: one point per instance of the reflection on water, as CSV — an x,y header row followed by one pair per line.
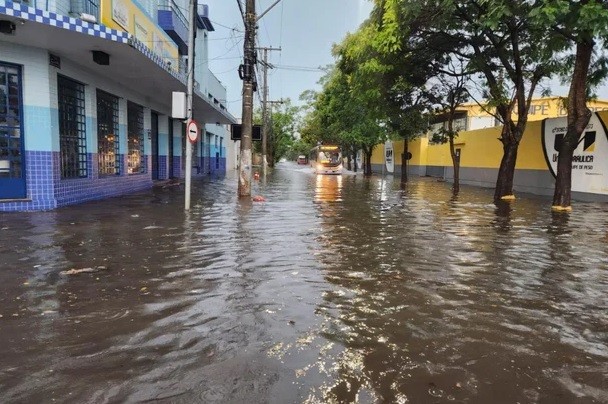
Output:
x,y
328,188
338,289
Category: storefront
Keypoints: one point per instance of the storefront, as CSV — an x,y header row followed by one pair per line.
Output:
x,y
85,112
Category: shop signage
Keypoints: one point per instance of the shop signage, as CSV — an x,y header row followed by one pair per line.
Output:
x,y
590,160
388,157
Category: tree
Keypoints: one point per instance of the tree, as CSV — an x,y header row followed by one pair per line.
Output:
x,y
346,116
580,25
392,77
452,93
497,39
283,124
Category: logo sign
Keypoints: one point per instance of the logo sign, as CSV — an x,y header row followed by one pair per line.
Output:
x,y
590,159
192,131
389,161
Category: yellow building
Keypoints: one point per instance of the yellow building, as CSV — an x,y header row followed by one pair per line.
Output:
x,y
481,152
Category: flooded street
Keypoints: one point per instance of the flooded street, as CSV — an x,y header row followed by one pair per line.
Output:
x,y
337,289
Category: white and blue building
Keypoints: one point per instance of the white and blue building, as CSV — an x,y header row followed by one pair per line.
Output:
x,y
85,99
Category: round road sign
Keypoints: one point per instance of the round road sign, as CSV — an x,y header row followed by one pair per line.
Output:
x,y
192,131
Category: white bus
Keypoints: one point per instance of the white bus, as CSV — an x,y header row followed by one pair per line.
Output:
x,y
326,159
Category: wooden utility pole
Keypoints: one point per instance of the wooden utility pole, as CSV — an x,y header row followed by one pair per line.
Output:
x,y
247,73
265,67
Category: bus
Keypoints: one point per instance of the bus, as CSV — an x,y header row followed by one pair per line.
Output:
x,y
326,159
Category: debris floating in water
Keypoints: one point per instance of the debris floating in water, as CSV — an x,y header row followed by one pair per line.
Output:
x,y
75,271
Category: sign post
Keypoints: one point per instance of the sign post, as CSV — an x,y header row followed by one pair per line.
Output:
x,y
190,89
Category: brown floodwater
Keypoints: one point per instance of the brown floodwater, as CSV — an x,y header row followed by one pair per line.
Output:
x,y
337,289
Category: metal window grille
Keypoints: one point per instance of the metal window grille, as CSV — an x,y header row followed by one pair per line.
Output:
x,y
107,134
72,128
135,136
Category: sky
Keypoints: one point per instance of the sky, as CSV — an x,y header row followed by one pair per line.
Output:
x,y
305,30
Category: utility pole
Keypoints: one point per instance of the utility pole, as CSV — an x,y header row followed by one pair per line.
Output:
x,y
265,66
247,74
191,36
267,126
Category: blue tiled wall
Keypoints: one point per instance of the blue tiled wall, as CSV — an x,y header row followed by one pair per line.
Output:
x,y
39,181
222,166
177,166
46,190
69,191
162,168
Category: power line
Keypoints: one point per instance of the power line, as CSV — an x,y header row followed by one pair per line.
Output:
x,y
227,27
300,68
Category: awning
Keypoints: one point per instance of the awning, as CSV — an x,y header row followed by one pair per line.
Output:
x,y
131,64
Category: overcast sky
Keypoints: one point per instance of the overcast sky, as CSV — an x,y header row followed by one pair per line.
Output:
x,y
304,29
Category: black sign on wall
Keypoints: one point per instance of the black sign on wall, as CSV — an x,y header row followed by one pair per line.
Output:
x,y
237,132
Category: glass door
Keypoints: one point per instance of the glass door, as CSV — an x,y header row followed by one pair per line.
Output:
x,y
12,167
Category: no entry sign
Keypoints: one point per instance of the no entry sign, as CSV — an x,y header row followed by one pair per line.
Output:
x,y
192,131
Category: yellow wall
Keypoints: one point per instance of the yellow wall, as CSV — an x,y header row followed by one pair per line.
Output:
x,y
126,15
479,148
541,108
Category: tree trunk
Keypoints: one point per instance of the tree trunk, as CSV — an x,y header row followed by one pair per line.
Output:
x,y
367,171
455,164
348,163
506,171
578,118
404,161
355,161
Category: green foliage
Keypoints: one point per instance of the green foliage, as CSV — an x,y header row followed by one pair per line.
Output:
x,y
283,122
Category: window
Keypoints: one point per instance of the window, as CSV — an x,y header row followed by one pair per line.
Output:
x,y
90,7
135,139
72,129
107,134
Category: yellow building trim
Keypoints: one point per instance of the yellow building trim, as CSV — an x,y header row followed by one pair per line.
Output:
x,y
540,108
126,15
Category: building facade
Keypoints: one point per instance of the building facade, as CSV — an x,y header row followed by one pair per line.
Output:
x,y
480,153
85,99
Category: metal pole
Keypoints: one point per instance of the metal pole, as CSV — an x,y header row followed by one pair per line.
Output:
x,y
265,114
247,116
191,33
265,66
